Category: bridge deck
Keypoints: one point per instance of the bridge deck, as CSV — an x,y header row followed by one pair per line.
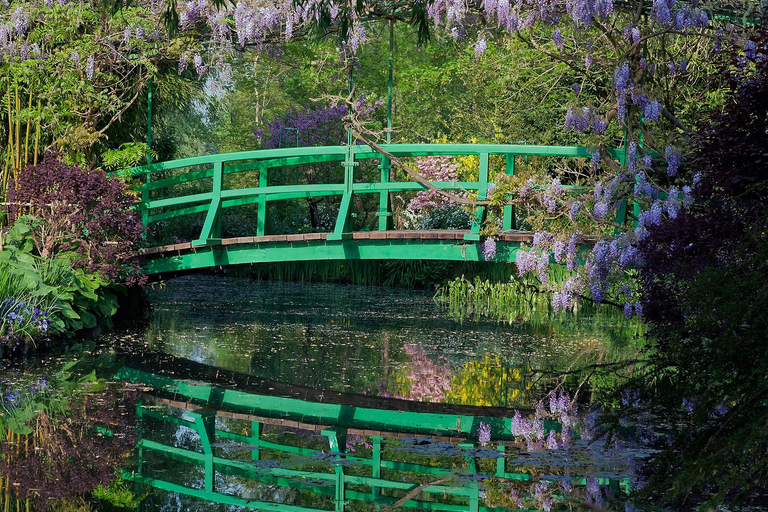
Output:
x,y
505,236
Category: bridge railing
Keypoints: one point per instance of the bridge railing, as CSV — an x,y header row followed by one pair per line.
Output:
x,y
208,173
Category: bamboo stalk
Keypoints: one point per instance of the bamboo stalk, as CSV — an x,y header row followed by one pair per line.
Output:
x,y
7,493
26,139
10,125
37,133
18,139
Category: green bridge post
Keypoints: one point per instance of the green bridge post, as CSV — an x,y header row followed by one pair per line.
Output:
x,y
261,214
385,212
211,233
482,195
206,429
509,221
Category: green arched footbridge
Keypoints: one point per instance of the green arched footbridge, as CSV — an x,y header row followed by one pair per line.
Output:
x,y
210,185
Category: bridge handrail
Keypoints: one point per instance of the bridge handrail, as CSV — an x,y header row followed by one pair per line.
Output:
x,y
219,197
366,152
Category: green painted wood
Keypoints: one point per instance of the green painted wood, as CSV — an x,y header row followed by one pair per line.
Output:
x,y
509,221
341,416
482,194
205,427
255,440
304,155
407,186
180,212
621,215
376,462
278,507
179,179
204,423
281,191
231,466
343,228
212,202
179,201
215,496
242,254
280,157
385,211
212,225
337,439
192,390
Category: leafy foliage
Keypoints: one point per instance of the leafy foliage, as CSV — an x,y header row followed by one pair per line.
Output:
x,y
66,298
83,211
704,285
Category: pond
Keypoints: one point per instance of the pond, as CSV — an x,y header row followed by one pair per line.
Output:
x,y
302,397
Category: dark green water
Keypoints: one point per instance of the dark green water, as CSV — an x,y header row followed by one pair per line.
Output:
x,y
386,343
373,340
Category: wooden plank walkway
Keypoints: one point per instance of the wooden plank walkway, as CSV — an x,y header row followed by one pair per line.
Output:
x,y
458,235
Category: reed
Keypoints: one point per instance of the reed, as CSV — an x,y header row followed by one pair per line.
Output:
x,y
520,302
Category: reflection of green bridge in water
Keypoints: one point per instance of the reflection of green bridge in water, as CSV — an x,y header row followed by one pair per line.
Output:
x,y
209,185
331,472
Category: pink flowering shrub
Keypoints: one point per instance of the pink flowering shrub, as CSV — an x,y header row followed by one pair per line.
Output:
x,y
434,168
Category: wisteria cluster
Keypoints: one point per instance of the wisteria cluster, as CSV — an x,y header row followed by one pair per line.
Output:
x,y
547,246
484,434
312,125
489,249
583,120
609,261
531,432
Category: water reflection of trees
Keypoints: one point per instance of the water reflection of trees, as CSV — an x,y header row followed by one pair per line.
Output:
x,y
62,447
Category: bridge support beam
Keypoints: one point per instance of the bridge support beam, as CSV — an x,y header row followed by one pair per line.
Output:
x,y
211,233
343,227
482,195
206,428
385,211
261,214
509,221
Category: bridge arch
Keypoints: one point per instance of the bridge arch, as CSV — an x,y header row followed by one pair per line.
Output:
x,y
204,185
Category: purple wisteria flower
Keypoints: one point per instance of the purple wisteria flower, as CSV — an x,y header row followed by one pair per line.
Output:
x,y
199,67
484,434
672,204
621,79
600,209
489,249
750,49
480,46
89,67
557,37
652,111
673,160
574,210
